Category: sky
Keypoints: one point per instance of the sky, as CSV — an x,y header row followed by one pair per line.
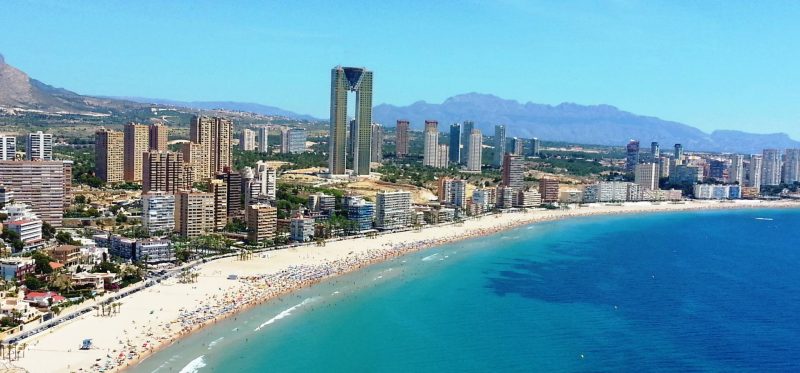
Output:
x,y
709,64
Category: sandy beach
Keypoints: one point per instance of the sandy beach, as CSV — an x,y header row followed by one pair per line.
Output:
x,y
161,314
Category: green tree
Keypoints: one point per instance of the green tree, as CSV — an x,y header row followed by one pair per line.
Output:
x,y
42,262
33,283
65,238
48,232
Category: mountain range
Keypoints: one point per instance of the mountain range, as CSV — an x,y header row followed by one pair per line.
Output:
x,y
568,122
583,124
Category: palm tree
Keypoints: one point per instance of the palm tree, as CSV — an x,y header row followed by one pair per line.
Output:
x,y
22,348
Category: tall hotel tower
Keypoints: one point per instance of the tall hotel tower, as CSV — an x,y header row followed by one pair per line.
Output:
x,y
344,80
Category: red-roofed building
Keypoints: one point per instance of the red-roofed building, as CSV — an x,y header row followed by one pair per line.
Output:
x,y
56,265
47,299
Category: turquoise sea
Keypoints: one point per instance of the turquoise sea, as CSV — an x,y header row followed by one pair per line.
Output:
x,y
690,291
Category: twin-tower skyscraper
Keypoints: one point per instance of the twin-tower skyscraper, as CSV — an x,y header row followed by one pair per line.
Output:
x,y
343,81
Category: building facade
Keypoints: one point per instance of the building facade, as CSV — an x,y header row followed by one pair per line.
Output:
x,y
377,143
549,189
247,140
194,213
519,146
737,174
392,210
455,143
109,155
431,144
233,181
344,80
401,138
214,137
631,155
771,169
293,140
301,229
646,175
791,172
263,139
219,189
754,171
39,147
361,212
8,148
262,222
158,213
159,137
43,185
475,151
165,171
466,135
137,142
513,171
499,144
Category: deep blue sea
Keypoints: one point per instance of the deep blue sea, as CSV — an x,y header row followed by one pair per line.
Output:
x,y
690,291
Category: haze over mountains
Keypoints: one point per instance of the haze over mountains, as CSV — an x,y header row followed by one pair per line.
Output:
x,y
594,124
227,105
582,124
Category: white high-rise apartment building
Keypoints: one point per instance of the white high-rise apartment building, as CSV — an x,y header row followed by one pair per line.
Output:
x,y
474,153
247,140
268,180
392,210
771,168
377,142
293,140
431,143
754,180
8,147
430,155
39,147
792,166
442,156
158,213
263,139
736,173
499,144
646,175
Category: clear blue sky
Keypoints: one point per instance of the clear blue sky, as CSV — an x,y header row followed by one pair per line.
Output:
x,y
710,64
